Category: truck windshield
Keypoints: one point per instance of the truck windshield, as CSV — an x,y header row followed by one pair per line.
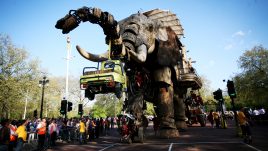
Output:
x,y
109,65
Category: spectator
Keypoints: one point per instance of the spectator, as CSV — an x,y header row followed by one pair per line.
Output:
x,y
82,131
101,125
91,129
97,128
41,131
22,135
31,132
243,122
52,132
210,118
256,112
156,125
112,122
4,135
216,117
13,136
262,111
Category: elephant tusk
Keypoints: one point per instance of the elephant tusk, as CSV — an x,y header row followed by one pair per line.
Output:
x,y
92,57
140,55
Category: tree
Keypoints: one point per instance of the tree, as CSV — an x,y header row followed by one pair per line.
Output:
x,y
16,75
205,92
252,83
107,105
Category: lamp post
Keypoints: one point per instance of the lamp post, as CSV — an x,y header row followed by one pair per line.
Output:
x,y
42,83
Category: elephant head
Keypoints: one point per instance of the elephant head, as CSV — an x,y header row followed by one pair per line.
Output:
x,y
133,37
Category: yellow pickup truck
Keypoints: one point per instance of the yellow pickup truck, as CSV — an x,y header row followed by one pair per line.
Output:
x,y
109,77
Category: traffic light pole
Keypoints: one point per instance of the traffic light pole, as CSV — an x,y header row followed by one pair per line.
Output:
x,y
223,117
67,72
235,116
42,83
66,110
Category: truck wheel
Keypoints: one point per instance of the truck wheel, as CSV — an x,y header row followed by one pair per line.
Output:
x,y
89,95
118,90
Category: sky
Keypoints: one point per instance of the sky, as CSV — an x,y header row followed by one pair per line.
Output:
x,y
216,32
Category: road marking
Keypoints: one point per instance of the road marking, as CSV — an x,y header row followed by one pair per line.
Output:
x,y
251,147
170,147
235,142
107,147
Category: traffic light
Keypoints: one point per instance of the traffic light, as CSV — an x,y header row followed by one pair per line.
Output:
x,y
231,89
218,95
80,109
63,107
70,106
35,113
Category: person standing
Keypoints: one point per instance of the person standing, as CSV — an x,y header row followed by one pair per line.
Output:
x,y
97,128
4,135
82,131
156,124
216,117
13,136
41,132
22,135
243,122
210,118
101,125
52,132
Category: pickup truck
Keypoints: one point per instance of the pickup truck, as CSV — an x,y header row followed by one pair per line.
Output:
x,y
109,77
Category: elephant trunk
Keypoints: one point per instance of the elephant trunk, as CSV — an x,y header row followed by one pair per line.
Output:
x,y
92,57
139,55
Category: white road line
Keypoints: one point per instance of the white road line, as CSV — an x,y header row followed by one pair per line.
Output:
x,y
238,142
107,147
235,142
170,147
252,147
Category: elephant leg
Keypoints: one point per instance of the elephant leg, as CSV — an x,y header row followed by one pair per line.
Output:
x,y
166,113
179,111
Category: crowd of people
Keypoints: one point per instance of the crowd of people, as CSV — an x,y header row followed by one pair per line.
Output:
x,y
246,117
15,133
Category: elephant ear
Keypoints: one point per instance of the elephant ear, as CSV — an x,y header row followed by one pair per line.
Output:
x,y
165,19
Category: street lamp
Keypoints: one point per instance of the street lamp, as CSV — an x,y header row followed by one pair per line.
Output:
x,y
42,83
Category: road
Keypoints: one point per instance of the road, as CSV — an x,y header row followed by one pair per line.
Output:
x,y
196,138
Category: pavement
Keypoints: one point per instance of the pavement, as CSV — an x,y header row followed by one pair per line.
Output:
x,y
195,138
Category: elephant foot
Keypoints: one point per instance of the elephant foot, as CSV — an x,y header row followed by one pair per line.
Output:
x,y
168,133
181,126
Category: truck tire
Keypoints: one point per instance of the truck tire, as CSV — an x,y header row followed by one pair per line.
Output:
x,y
118,90
89,95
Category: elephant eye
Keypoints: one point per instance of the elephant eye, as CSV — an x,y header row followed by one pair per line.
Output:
x,y
151,28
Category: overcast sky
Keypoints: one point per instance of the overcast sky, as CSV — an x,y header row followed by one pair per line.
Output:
x,y
216,32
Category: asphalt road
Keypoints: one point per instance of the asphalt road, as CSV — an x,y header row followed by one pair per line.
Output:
x,y
196,138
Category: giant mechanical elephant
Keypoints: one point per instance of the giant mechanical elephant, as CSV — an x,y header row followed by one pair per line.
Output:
x,y
149,44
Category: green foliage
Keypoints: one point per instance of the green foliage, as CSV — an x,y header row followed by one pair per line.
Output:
x,y
252,83
17,76
107,105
